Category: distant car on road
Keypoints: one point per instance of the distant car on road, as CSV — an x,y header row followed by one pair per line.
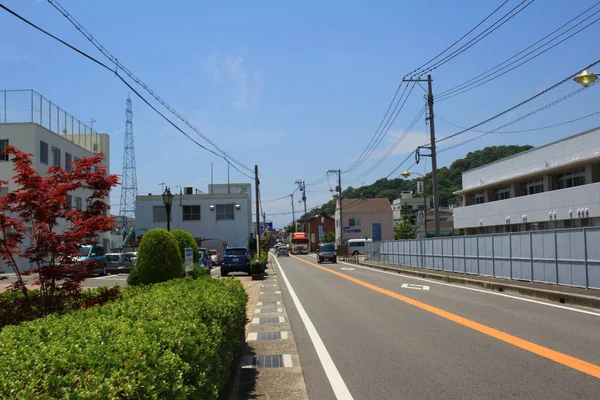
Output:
x,y
327,252
282,251
93,252
235,259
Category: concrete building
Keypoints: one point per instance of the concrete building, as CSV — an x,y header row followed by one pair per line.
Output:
x,y
550,187
214,220
372,218
406,198
50,149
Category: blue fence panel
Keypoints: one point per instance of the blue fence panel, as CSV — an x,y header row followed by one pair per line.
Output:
x,y
458,249
571,257
544,256
593,257
501,244
447,252
521,255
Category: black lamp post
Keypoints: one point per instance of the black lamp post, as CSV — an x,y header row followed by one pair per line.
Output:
x,y
168,201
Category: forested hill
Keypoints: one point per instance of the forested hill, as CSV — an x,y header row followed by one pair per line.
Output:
x,y
449,179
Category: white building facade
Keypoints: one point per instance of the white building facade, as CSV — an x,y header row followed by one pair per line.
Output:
x,y
550,187
50,149
214,220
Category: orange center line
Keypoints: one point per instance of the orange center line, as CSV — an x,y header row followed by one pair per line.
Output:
x,y
564,359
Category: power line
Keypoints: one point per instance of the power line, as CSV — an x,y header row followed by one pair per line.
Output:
x,y
413,72
525,130
479,37
377,133
394,145
555,102
120,77
119,65
277,199
486,77
518,105
401,164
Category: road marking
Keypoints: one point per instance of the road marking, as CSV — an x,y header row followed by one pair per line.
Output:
x,y
413,286
401,275
333,375
276,292
564,359
347,269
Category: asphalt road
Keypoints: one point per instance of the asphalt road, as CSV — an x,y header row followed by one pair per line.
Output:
x,y
367,337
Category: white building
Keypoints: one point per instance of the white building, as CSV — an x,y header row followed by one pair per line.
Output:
x,y
406,198
50,149
550,187
214,220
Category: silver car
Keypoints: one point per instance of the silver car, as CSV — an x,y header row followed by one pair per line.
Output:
x,y
118,262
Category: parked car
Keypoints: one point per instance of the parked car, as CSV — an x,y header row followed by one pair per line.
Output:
x,y
119,262
204,260
235,259
93,252
132,256
357,246
327,252
214,256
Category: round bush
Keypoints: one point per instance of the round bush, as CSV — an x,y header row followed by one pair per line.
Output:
x,y
158,258
185,239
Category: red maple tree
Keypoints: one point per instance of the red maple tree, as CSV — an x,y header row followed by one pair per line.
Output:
x,y
39,209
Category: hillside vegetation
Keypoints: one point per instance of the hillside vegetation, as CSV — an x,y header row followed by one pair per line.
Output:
x,y
449,179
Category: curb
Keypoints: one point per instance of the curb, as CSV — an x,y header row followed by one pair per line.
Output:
x,y
552,295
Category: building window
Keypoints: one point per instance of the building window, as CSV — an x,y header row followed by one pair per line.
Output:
x,y
69,205
3,155
68,159
55,156
502,193
43,152
224,211
354,221
571,179
78,203
159,214
532,187
479,198
191,213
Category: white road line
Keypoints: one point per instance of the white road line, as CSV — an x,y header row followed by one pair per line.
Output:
x,y
335,379
478,290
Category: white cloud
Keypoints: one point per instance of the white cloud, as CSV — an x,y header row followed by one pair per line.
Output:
x,y
231,70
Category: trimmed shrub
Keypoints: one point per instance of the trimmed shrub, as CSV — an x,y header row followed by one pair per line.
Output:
x,y
258,265
185,239
173,340
158,259
198,271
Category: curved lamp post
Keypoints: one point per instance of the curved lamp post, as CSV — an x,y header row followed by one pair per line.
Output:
x,y
406,174
586,78
168,202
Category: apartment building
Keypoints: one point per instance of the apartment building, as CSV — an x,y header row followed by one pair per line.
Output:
x,y
550,187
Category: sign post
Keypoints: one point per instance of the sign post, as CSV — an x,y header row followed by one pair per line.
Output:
x,y
189,260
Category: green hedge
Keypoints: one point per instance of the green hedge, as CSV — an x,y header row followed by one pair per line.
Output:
x,y
158,259
185,239
172,340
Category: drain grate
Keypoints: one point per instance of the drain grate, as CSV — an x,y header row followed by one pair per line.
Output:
x,y
268,303
269,320
269,310
269,336
275,361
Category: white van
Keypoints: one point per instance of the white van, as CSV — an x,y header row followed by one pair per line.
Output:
x,y
357,246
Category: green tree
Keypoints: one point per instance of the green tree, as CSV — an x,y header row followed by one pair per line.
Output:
x,y
158,259
405,231
185,239
328,237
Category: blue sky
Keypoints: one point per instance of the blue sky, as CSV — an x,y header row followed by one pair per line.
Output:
x,y
297,88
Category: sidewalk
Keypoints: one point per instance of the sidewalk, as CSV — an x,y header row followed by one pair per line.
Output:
x,y
558,293
270,364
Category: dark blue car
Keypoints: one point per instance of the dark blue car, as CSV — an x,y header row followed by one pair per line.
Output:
x,y
235,259
327,253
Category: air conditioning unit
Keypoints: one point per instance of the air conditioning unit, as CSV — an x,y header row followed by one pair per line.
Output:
x,y
188,190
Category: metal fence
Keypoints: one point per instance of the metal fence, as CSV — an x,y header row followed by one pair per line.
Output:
x,y
21,106
564,257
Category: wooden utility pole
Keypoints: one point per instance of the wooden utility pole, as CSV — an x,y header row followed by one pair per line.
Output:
x,y
339,190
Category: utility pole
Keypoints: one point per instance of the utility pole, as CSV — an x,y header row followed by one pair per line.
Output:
x,y
211,178
339,190
256,183
264,215
302,188
433,153
228,186
293,213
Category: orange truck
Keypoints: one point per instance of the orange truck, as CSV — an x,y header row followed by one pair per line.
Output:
x,y
299,243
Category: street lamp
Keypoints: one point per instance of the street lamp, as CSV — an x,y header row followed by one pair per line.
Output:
x,y
586,78
406,174
168,201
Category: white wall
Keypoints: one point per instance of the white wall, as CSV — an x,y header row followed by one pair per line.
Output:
x,y
577,147
27,137
536,207
235,232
